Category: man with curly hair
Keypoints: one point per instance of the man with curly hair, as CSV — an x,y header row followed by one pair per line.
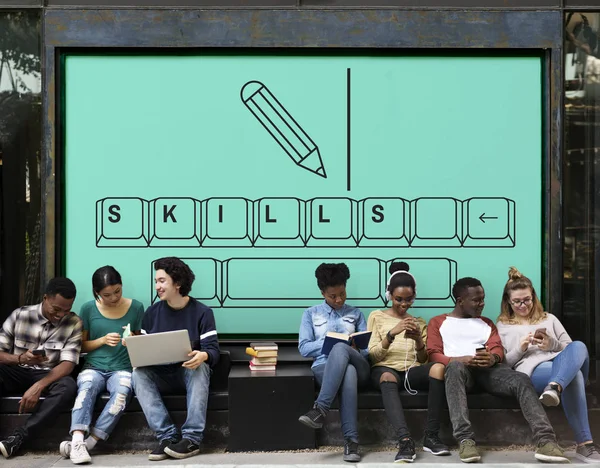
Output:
x,y
345,368
176,310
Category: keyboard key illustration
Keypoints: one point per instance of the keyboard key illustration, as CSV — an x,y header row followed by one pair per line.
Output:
x,y
489,222
207,290
175,222
436,222
122,222
228,222
440,274
280,222
383,222
332,222
225,282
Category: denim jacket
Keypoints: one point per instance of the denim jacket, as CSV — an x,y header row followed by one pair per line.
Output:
x,y
320,319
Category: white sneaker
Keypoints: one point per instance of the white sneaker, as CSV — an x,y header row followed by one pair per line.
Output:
x,y
550,396
79,453
65,448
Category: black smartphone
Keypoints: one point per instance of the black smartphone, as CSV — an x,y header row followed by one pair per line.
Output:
x,y
481,348
39,352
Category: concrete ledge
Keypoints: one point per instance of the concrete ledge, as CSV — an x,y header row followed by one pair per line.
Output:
x,y
500,428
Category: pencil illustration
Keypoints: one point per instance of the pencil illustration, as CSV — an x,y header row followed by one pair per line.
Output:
x,y
282,127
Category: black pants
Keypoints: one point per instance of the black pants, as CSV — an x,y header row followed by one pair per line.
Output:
x,y
59,395
418,378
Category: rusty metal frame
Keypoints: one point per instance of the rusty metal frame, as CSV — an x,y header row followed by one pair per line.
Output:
x,y
251,29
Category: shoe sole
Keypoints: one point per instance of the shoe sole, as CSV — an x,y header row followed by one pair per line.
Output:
x,y
310,423
551,458
65,449
441,452
584,459
152,457
181,456
548,399
406,460
3,450
471,459
351,459
81,461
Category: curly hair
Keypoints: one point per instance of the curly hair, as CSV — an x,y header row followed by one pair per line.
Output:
x,y
516,281
461,286
60,285
332,274
180,273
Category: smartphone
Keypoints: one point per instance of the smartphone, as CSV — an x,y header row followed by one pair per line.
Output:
x,y
481,348
539,333
39,352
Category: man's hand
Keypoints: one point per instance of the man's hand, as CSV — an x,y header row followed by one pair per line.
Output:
x,y
483,358
466,360
198,358
32,359
30,398
112,339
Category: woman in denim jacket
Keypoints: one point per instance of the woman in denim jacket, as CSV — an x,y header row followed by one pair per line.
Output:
x,y
345,368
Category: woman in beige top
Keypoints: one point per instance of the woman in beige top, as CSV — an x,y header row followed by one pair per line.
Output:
x,y
398,355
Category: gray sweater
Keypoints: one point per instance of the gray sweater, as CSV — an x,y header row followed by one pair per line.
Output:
x,y
527,361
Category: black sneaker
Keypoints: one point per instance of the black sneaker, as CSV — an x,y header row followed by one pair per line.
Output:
x,y
11,444
351,451
433,444
314,418
159,453
184,449
407,453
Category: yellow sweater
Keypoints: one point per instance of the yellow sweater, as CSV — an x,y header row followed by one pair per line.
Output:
x,y
401,354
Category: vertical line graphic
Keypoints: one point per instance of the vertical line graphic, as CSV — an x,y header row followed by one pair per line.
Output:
x,y
348,125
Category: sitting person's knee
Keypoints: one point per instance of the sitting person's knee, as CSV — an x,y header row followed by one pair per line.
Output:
x,y
437,371
388,377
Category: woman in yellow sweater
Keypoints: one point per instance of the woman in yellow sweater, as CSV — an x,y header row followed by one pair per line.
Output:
x,y
399,358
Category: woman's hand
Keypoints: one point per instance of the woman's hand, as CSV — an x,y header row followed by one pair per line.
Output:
x,y
526,341
546,343
112,339
408,323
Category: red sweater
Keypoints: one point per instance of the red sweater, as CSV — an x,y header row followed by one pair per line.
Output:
x,y
457,341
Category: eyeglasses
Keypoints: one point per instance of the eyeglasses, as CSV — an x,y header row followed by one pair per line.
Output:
x,y
518,303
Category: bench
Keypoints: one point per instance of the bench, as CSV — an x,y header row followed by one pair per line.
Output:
x,y
132,433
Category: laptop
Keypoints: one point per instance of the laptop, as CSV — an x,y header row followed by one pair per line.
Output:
x,y
159,348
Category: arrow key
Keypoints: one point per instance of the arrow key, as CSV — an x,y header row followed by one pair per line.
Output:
x,y
490,222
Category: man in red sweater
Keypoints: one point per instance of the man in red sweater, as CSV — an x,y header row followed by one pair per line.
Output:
x,y
470,347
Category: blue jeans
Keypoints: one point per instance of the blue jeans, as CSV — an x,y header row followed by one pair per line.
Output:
x,y
569,369
149,382
90,383
344,371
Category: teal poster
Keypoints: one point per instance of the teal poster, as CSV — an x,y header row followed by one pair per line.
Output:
x,y
255,169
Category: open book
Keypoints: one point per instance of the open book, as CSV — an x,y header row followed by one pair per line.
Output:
x,y
360,340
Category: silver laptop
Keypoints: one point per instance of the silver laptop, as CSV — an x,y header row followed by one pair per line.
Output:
x,y
159,348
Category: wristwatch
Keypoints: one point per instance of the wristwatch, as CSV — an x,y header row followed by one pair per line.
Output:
x,y
389,337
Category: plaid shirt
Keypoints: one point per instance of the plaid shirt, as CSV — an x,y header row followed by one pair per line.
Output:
x,y
27,328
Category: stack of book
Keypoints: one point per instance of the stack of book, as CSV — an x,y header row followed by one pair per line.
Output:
x,y
264,356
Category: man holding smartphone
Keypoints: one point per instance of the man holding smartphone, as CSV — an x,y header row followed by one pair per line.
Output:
x,y
471,349
39,348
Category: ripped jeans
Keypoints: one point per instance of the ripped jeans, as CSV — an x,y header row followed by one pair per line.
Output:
x,y
91,383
